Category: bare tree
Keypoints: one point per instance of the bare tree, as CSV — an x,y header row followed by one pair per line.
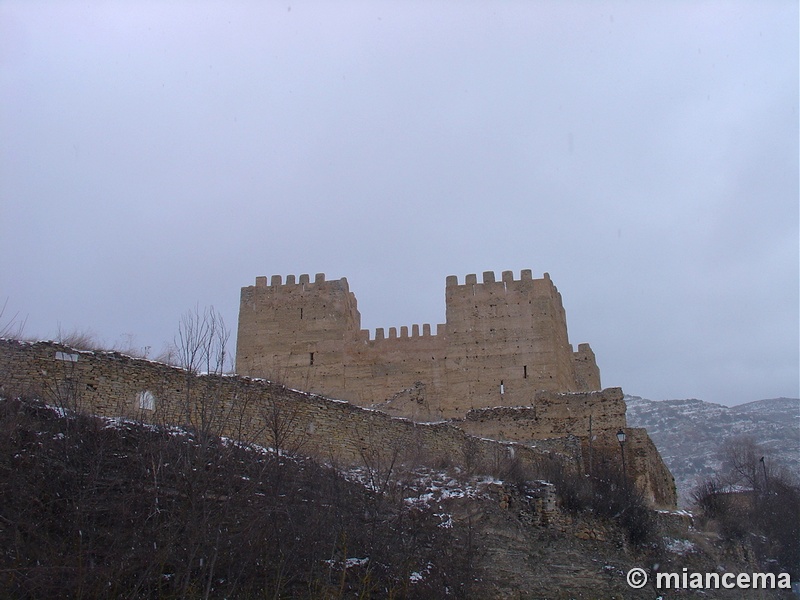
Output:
x,y
743,464
201,348
381,462
282,423
126,344
10,327
201,342
753,498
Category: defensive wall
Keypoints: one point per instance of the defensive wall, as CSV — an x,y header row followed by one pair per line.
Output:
x,y
594,418
503,341
267,413
113,384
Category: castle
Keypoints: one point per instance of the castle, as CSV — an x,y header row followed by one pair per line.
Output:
x,y
503,341
498,381
500,368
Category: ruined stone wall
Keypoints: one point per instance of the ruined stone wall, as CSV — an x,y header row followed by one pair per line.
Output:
x,y
644,466
502,342
552,415
267,413
555,416
112,384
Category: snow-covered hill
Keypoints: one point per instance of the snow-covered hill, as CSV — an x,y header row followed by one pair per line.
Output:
x,y
689,433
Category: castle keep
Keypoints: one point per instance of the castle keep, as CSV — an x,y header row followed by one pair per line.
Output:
x,y
503,341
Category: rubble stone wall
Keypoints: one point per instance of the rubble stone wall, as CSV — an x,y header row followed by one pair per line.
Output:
x,y
270,414
113,384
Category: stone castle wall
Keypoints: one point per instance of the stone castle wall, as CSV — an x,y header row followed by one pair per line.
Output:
x,y
585,415
503,341
552,415
112,384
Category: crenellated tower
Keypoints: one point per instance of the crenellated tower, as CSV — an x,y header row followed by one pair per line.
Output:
x,y
297,332
507,339
503,341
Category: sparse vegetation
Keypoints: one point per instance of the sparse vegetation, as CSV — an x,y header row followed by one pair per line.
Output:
x,y
605,492
10,327
750,502
162,512
98,508
80,339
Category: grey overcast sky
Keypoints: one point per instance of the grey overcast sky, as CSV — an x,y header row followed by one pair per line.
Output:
x,y
155,156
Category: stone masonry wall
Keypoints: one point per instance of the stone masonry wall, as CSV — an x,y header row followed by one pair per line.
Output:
x,y
267,413
503,341
556,415
552,415
111,384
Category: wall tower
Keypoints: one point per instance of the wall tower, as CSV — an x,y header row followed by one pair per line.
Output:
x,y
503,341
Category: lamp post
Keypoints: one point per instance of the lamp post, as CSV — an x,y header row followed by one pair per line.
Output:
x,y
621,437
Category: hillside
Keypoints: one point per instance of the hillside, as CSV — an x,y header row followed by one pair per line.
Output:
x,y
109,508
690,433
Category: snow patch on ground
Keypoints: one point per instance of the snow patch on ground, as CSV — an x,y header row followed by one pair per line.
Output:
x,y
418,576
348,563
422,488
677,546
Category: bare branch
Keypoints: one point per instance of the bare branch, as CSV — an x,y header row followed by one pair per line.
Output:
x,y
11,328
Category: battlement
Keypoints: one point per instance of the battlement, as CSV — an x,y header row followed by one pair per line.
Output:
x,y
489,277
505,290
526,282
276,281
403,333
503,340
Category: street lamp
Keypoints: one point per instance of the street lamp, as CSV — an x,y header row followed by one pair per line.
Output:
x,y
621,437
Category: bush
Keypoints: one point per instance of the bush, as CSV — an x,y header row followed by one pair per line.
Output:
x,y
607,493
748,503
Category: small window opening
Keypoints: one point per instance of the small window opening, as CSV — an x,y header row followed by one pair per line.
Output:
x,y
502,388
525,372
311,358
301,314
147,401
